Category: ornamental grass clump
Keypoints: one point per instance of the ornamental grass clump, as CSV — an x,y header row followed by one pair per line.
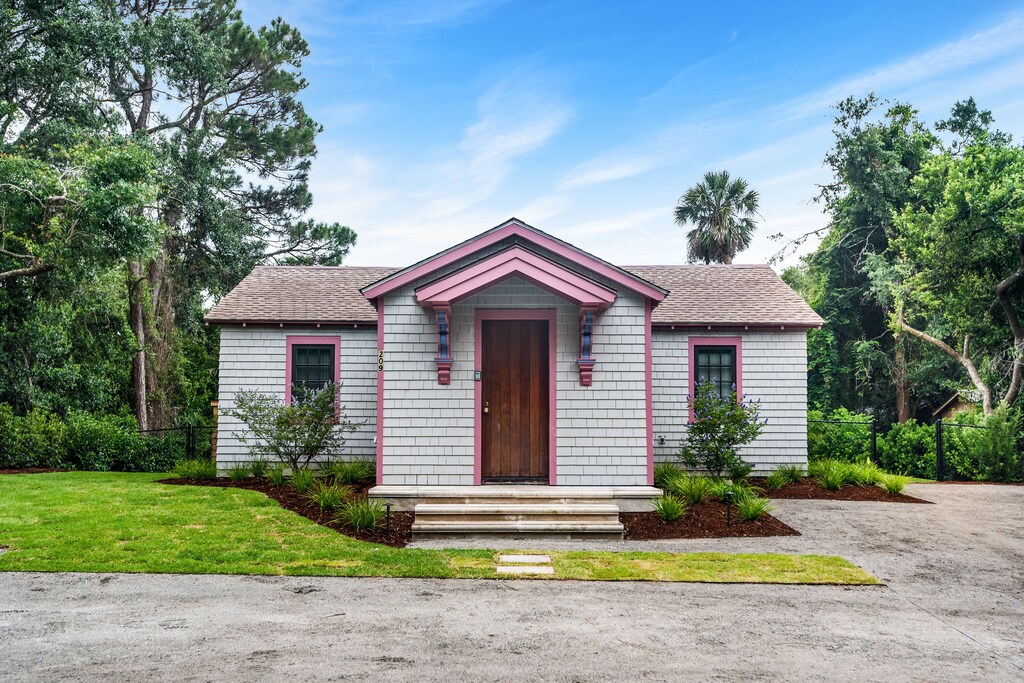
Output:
x,y
831,474
258,468
752,507
302,480
276,475
721,425
664,472
328,497
350,471
363,514
690,488
198,469
719,490
791,473
239,473
894,483
776,480
863,473
668,507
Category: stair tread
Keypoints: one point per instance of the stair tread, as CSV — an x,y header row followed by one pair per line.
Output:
x,y
520,524
515,508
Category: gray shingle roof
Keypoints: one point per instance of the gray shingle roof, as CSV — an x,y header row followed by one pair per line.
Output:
x,y
725,295
698,295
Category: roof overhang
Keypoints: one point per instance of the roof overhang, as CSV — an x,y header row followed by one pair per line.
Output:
x,y
516,262
527,234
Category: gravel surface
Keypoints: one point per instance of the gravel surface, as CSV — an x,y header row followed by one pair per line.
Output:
x,y
953,609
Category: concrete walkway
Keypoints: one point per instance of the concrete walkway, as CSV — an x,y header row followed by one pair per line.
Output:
x,y
953,610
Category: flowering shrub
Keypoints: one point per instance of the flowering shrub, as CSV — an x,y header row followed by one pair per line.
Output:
x,y
720,426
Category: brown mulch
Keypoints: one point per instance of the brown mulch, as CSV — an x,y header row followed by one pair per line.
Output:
x,y
31,470
703,520
809,489
290,499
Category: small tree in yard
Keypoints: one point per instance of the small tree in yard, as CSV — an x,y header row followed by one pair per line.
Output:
x,y
294,434
720,426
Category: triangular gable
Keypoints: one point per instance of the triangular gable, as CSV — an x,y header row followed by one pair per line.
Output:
x,y
514,228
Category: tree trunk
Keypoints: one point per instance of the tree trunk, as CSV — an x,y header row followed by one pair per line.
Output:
x,y
137,321
1003,296
904,401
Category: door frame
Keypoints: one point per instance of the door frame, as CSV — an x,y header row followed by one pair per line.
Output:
x,y
482,314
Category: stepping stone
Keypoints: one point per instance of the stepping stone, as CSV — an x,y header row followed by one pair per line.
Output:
x,y
526,570
524,559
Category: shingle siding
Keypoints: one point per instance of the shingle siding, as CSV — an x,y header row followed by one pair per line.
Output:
x,y
774,371
428,428
253,358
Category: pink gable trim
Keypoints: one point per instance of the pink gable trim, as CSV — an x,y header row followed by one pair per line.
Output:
x,y
290,341
548,314
515,228
714,341
547,275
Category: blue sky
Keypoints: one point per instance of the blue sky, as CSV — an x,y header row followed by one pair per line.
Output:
x,y
589,119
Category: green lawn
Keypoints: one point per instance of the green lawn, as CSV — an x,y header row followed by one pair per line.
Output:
x,y
113,522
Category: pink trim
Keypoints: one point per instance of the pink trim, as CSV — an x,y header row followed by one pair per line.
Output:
x,y
733,326
546,274
551,316
714,341
380,394
649,376
290,341
495,235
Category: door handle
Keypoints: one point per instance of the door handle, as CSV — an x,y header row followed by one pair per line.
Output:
x,y
487,406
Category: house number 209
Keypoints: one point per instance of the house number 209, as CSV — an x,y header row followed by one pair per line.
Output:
x,y
380,361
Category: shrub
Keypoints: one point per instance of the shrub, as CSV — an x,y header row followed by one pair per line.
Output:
x,y
776,480
199,468
668,507
894,483
295,434
664,472
691,488
740,469
985,454
720,426
350,471
35,440
302,480
239,472
276,476
750,508
847,442
259,467
328,497
362,514
908,448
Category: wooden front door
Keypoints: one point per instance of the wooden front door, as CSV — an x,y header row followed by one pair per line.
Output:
x,y
515,406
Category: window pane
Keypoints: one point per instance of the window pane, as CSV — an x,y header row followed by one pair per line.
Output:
x,y
312,368
716,364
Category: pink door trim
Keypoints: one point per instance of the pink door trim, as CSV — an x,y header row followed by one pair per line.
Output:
x,y
380,393
551,316
649,372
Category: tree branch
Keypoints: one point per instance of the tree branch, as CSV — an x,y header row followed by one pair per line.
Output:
x,y
972,370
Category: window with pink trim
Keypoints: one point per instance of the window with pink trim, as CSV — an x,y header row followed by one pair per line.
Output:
x,y
718,360
311,363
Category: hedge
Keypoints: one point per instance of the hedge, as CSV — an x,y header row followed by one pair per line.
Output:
x,y
84,442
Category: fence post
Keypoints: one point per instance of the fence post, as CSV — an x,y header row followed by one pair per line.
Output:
x,y
940,456
190,442
874,440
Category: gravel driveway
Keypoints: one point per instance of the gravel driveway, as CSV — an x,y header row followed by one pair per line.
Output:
x,y
953,609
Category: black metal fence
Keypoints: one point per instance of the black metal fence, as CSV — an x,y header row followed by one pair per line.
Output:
x,y
186,442
940,448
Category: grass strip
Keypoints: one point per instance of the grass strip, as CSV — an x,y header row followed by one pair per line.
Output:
x,y
124,522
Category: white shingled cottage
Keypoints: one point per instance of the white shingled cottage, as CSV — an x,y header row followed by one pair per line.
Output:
x,y
515,359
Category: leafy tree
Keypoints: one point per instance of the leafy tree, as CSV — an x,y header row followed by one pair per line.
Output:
x,y
295,434
720,426
722,211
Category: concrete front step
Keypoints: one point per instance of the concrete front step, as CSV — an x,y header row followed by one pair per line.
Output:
x,y
517,529
627,498
512,512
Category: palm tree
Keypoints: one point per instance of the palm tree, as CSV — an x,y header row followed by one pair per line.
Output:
x,y
723,211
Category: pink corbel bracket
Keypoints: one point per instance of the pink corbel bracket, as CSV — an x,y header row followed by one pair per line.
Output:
x,y
444,344
586,361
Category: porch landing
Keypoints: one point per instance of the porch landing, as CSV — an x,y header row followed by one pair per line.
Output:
x,y
517,511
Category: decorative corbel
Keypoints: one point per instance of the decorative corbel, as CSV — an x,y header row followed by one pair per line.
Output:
x,y
586,361
444,355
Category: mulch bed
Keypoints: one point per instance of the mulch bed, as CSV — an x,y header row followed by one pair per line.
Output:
x,y
290,499
31,470
703,520
809,489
